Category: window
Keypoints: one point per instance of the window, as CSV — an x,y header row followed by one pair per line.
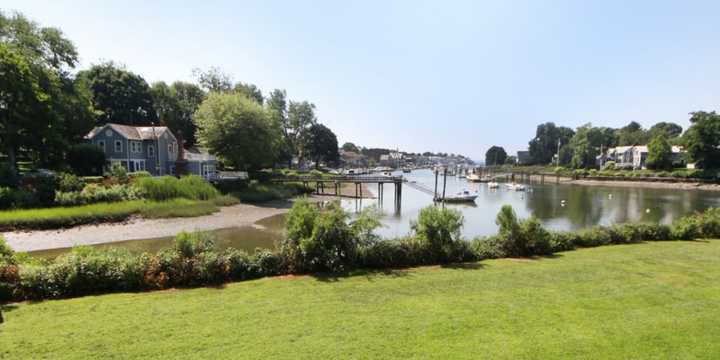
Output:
x,y
118,146
151,151
170,148
101,144
136,146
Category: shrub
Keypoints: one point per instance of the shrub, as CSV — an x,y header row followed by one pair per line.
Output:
x,y
8,176
593,237
95,193
438,229
266,192
139,174
365,224
610,165
521,238
42,186
86,159
16,198
331,246
118,174
68,183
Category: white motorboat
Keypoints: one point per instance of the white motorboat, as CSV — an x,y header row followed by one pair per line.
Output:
x,y
516,187
464,196
493,185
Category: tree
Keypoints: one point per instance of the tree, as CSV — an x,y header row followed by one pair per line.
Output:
x,y
632,134
251,91
659,153
545,144
121,96
237,129
86,159
671,130
348,146
301,117
702,139
323,145
42,108
496,155
213,79
175,106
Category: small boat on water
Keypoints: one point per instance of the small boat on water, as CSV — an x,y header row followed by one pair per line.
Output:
x,y
407,170
464,196
477,178
493,185
387,173
516,187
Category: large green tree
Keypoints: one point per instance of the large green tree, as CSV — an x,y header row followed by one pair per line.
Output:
x,y
348,146
702,139
544,146
670,130
587,143
121,96
175,105
659,153
238,130
213,79
632,134
43,109
495,155
322,145
251,91
301,117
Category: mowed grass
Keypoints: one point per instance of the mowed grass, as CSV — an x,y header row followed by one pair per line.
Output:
x,y
643,301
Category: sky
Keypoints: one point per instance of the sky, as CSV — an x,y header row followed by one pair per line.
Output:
x,y
441,76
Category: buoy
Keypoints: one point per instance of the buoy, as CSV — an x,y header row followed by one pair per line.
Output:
x,y
609,196
647,211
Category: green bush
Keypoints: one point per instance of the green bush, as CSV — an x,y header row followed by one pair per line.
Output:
x,y
16,198
168,187
438,229
95,193
255,192
118,174
521,238
8,176
68,183
609,165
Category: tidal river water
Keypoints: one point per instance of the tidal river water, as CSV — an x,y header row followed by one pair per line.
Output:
x,y
558,206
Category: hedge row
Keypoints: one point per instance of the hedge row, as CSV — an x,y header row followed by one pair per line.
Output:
x,y
318,240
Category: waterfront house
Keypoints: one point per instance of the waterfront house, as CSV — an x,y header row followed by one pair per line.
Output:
x,y
634,157
150,148
523,158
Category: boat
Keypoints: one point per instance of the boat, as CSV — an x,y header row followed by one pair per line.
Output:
x,y
493,185
387,173
464,196
407,170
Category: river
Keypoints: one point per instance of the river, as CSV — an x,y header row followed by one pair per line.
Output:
x,y
558,206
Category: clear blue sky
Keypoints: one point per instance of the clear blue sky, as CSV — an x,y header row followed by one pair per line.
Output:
x,y
451,76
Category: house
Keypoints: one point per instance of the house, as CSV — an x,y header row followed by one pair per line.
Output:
x,y
149,148
523,158
634,157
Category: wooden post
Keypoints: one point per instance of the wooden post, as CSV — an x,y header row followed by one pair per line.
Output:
x,y
435,197
444,183
360,186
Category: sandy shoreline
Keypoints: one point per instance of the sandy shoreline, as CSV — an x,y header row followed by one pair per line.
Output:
x,y
136,229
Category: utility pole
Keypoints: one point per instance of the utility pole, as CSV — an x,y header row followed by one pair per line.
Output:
x,y
444,183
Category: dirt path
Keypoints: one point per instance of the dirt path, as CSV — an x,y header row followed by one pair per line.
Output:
x,y
136,229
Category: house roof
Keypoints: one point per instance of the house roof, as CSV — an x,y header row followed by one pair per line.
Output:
x,y
132,132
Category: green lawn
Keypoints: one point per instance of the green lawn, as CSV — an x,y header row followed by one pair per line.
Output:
x,y
653,300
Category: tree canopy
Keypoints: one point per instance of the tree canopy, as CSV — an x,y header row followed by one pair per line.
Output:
x,y
348,146
702,139
496,155
545,144
120,96
659,153
175,106
237,129
323,145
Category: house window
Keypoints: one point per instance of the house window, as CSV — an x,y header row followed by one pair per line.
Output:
x,y
170,148
118,146
151,151
135,146
101,144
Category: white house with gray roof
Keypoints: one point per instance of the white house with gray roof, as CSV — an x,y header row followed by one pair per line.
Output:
x,y
149,148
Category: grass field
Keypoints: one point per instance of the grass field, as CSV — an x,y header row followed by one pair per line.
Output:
x,y
643,301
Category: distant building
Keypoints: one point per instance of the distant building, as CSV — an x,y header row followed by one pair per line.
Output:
x,y
353,159
523,158
634,157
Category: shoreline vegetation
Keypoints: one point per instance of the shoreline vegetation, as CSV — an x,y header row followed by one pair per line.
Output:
x,y
318,241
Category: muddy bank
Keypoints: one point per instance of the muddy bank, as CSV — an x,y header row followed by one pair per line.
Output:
x,y
136,229
552,179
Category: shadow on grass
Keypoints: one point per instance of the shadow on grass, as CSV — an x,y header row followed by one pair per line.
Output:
x,y
464,266
368,274
8,307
